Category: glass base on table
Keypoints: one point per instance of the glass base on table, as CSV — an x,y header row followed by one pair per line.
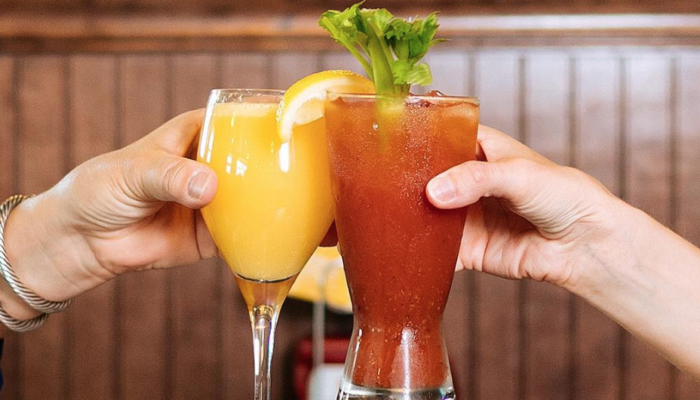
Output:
x,y
349,391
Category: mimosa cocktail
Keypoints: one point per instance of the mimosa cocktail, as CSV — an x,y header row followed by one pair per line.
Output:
x,y
272,207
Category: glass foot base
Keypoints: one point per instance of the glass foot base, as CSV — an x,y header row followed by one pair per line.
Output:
x,y
348,391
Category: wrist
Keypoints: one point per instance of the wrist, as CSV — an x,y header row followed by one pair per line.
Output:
x,y
47,255
609,240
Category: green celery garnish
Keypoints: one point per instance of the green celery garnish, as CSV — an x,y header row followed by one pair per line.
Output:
x,y
389,49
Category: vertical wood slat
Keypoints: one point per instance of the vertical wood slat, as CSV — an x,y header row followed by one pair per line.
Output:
x,y
93,129
596,153
496,301
294,322
42,110
688,183
596,368
546,309
195,290
452,76
240,71
340,60
287,68
143,317
647,374
8,186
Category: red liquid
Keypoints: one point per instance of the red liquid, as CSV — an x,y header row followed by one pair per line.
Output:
x,y
399,251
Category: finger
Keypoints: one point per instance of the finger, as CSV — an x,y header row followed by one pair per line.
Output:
x,y
495,146
513,180
177,136
205,243
170,178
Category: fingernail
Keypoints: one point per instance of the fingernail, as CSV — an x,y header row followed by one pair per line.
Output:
x,y
441,188
198,184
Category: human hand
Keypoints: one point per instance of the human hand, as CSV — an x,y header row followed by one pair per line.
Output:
x,y
528,217
131,209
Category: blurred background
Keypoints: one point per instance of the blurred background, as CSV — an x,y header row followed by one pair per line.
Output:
x,y
608,86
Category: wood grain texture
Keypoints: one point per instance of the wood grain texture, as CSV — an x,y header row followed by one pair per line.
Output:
x,y
340,60
496,338
243,70
497,82
688,182
546,307
596,120
27,32
287,68
7,121
42,90
314,7
608,111
9,184
93,126
647,186
145,363
195,289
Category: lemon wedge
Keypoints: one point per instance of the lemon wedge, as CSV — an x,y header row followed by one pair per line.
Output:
x,y
303,101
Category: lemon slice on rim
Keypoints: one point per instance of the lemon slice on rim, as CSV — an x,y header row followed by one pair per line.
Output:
x,y
303,101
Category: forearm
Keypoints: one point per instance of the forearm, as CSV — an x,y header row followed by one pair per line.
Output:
x,y
647,279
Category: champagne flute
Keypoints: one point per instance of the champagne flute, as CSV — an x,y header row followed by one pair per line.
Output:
x,y
272,208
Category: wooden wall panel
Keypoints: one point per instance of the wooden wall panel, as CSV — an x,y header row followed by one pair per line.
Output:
x,y
287,68
625,115
7,121
195,289
497,83
9,184
495,303
340,60
145,364
316,6
241,70
547,311
688,184
595,141
647,186
451,72
42,123
93,125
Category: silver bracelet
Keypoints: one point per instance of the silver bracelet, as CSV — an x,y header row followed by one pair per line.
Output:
x,y
31,298
24,325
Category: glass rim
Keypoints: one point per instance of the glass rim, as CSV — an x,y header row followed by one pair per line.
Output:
x,y
220,91
370,96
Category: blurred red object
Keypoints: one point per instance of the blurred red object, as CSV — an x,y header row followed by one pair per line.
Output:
x,y
336,348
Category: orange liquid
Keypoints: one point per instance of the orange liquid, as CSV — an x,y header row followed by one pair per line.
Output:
x,y
398,250
264,293
273,205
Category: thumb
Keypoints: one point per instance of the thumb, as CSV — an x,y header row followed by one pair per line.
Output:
x,y
175,179
515,180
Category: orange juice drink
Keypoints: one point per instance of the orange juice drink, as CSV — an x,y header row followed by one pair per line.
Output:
x,y
273,204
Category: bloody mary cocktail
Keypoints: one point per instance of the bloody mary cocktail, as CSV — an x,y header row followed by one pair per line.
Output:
x,y
398,250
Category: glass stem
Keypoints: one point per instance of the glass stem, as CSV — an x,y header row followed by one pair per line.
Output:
x,y
264,322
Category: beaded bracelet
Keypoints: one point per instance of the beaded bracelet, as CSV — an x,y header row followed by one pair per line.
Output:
x,y
31,298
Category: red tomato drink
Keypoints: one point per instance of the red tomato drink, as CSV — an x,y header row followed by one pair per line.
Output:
x,y
399,251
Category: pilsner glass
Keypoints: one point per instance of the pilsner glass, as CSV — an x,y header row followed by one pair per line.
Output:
x,y
272,207
398,250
